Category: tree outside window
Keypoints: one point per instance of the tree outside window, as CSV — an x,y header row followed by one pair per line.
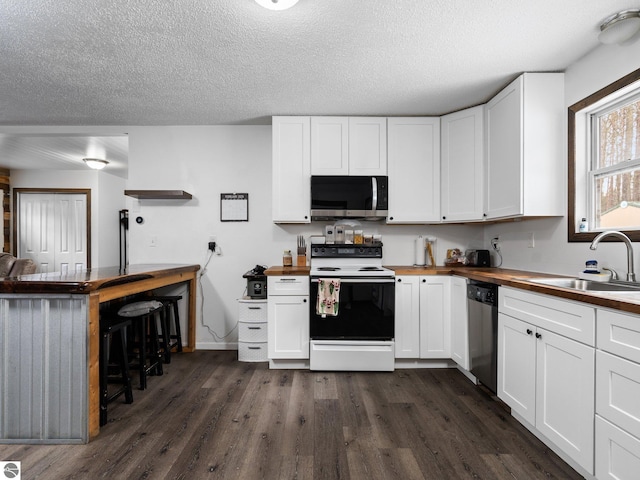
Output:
x,y
616,169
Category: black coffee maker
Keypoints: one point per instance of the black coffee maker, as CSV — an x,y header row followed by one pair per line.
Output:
x,y
256,282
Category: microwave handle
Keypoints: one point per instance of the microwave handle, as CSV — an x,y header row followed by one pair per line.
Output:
x,y
374,193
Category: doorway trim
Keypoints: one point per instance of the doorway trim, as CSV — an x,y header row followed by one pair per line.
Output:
x,y
85,191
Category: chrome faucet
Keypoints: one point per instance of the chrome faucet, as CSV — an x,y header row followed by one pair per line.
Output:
x,y
631,276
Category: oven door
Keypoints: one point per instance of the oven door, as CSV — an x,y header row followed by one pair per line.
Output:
x,y
365,312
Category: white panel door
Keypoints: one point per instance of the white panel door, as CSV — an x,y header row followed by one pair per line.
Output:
x,y
435,317
329,145
517,366
367,146
407,323
459,322
52,230
565,391
414,169
35,229
291,178
70,226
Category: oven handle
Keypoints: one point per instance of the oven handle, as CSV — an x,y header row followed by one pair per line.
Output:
x,y
360,280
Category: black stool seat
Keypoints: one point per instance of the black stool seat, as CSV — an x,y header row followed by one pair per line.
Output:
x,y
114,329
170,340
144,316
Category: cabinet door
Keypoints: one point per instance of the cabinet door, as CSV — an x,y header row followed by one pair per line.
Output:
x,y
517,366
462,154
565,389
504,113
435,316
414,170
367,146
407,317
291,164
288,327
617,452
459,322
329,146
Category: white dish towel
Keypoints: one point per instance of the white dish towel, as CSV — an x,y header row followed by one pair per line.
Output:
x,y
328,297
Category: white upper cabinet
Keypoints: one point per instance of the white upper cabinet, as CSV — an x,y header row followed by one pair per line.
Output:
x,y
414,170
291,170
367,146
524,164
462,154
329,146
348,146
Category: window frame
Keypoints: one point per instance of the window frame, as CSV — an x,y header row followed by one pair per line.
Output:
x,y
573,112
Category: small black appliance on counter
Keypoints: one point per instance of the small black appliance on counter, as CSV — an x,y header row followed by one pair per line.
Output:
x,y
478,258
256,282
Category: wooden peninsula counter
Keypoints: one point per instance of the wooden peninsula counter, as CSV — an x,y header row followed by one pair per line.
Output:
x,y
49,346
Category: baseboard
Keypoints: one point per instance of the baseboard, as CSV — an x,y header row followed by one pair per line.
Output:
x,y
216,345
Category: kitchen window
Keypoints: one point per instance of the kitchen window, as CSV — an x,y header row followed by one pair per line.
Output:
x,y
604,161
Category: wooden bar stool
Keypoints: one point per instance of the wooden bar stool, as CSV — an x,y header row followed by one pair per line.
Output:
x,y
113,355
145,341
171,313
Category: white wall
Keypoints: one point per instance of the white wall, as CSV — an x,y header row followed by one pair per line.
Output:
x,y
106,200
208,161
552,252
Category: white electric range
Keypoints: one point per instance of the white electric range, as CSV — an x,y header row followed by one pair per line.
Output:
x,y
360,334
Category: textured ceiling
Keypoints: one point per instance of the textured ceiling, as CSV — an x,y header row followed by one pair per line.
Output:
x,y
208,62
225,62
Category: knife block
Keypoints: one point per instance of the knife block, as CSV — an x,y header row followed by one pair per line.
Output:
x,y
301,261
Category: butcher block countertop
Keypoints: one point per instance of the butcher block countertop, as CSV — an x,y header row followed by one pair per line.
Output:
x,y
87,281
627,301
279,270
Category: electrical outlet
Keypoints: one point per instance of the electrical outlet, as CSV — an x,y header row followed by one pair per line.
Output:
x,y
531,243
495,243
212,243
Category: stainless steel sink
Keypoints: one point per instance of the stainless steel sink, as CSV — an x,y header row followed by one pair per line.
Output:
x,y
584,285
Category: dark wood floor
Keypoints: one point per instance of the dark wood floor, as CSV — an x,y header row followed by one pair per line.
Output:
x,y
211,417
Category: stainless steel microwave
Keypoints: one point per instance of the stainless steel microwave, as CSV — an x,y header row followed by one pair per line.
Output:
x,y
340,196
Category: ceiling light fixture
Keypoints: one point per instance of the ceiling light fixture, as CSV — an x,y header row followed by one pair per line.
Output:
x,y
276,4
95,163
619,27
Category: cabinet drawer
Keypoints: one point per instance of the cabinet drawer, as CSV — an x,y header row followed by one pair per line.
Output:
x,y
252,332
252,352
617,452
618,391
288,285
252,311
619,333
564,317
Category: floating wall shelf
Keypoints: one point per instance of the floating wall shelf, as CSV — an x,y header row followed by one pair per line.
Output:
x,y
159,194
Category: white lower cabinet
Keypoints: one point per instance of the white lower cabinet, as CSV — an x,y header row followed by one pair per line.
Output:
x,y
435,315
422,317
617,396
288,317
459,322
407,317
546,378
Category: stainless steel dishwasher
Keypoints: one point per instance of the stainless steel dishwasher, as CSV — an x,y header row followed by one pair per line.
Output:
x,y
482,299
